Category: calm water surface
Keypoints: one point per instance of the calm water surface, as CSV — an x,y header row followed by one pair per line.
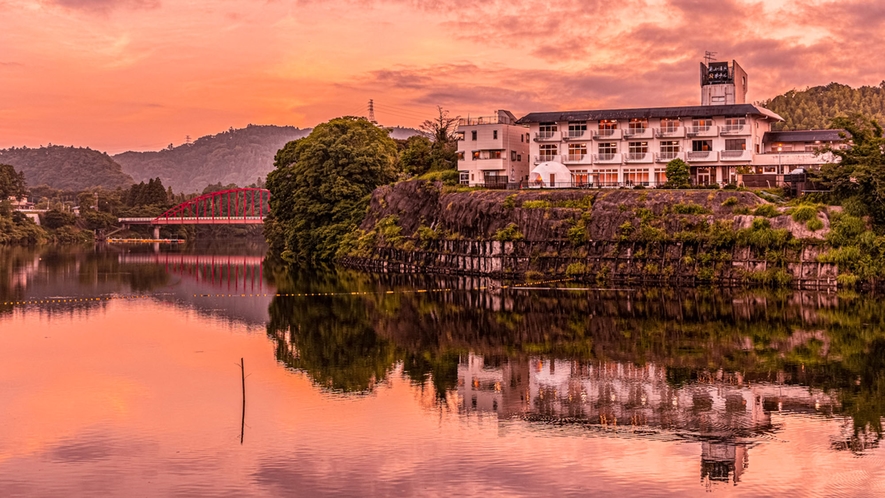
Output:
x,y
119,375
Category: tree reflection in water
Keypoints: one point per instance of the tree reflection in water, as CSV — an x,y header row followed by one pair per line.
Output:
x,y
711,363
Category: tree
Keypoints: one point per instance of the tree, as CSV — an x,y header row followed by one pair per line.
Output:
x,y
678,174
321,185
859,174
12,183
444,148
416,158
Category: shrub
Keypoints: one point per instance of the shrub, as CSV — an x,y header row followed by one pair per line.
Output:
x,y
762,236
847,279
845,229
447,177
804,213
731,201
533,275
689,208
767,210
509,233
578,233
815,224
426,234
510,201
575,269
741,210
539,204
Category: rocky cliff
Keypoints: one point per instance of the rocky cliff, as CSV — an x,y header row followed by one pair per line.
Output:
x,y
656,236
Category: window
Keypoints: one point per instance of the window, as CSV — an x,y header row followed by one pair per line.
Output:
x,y
522,138
464,178
548,152
526,137
576,152
519,158
669,149
735,144
701,145
701,124
636,176
606,177
637,125
637,150
669,125
660,176
461,155
473,135
735,124
577,129
496,154
494,134
607,127
512,155
547,130
580,177
607,150
475,155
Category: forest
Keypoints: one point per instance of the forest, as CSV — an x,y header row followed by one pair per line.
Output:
x,y
816,107
66,168
238,156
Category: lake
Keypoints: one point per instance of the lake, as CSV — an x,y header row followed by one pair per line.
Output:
x,y
121,375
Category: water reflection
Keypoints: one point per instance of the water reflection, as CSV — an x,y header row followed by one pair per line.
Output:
x,y
729,372
710,366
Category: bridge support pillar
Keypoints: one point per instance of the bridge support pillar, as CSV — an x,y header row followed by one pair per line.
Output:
x,y
156,232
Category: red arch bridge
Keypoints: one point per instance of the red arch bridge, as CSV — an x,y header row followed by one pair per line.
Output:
x,y
241,206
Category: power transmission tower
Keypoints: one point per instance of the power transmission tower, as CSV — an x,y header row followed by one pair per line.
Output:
x,y
187,139
372,111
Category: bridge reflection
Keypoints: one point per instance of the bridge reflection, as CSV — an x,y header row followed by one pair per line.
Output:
x,y
232,273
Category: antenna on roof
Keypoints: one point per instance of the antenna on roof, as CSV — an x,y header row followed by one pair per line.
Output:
x,y
709,57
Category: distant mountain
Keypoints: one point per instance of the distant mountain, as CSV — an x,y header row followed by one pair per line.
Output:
x,y
400,133
239,156
66,168
815,107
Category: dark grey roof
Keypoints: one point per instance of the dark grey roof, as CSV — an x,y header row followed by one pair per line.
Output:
x,y
803,136
698,111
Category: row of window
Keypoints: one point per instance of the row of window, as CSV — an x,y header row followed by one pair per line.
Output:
x,y
635,176
641,147
491,154
523,137
639,125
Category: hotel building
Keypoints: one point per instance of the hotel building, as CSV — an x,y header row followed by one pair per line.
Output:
x,y
493,150
724,140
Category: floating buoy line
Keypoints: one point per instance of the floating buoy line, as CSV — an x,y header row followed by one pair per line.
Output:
x,y
32,302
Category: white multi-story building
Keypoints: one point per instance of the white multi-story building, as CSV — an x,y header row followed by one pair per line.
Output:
x,y
721,140
493,150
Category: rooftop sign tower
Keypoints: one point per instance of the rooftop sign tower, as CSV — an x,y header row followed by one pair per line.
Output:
x,y
721,83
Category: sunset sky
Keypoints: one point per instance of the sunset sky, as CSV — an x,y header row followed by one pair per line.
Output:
x,y
121,75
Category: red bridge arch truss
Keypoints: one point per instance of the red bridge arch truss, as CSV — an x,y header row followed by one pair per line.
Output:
x,y
228,207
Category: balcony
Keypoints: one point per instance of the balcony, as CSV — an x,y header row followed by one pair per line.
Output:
x,y
607,158
607,134
638,133
484,120
639,157
736,130
707,156
578,159
736,155
665,157
577,135
543,158
547,136
702,131
677,132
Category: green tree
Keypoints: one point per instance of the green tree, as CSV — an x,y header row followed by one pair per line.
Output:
x,y
678,174
56,219
859,174
417,157
444,147
321,185
12,183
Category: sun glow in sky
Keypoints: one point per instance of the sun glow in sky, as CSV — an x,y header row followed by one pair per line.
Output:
x,y
117,75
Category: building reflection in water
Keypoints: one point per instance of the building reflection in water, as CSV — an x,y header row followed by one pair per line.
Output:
x,y
722,411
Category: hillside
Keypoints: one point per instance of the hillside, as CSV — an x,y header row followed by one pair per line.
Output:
x,y
237,156
815,107
66,168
